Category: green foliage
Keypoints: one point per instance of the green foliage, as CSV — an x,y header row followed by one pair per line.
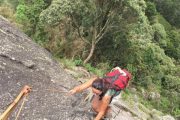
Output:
x,y
88,20
67,63
78,62
94,70
27,14
2,1
126,94
171,83
7,12
13,3
165,103
160,34
149,65
104,67
89,67
20,13
70,64
170,10
160,29
164,22
170,91
57,11
173,45
150,10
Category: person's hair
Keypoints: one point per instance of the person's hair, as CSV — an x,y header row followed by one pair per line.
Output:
x,y
97,84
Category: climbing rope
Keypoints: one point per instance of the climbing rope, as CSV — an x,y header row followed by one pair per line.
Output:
x,y
55,90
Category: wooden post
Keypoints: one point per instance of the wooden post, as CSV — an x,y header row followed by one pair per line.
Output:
x,y
7,112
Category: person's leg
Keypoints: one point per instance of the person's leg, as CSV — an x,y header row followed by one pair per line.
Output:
x,y
110,93
95,103
108,112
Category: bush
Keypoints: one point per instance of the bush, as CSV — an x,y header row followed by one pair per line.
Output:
x,y
150,10
160,34
89,67
173,45
69,64
7,12
78,62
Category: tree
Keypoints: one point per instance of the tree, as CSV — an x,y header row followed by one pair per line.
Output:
x,y
160,35
150,10
173,45
170,10
27,14
91,19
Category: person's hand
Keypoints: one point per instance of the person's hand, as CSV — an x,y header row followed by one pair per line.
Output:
x,y
71,92
26,89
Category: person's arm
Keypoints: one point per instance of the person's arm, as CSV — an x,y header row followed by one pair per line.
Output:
x,y
83,86
103,107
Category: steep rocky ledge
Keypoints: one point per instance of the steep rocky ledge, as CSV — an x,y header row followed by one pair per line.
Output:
x,y
23,62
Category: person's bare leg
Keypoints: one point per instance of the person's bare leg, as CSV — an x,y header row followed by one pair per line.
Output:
x,y
108,111
96,103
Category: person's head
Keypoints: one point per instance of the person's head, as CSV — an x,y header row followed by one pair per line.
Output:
x,y
97,86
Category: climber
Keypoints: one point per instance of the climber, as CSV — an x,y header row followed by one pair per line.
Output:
x,y
104,89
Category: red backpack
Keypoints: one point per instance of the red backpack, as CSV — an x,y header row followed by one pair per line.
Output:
x,y
117,80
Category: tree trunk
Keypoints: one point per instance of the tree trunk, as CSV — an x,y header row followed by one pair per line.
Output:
x,y
90,54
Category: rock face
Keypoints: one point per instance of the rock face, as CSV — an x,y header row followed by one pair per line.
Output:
x,y
22,62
